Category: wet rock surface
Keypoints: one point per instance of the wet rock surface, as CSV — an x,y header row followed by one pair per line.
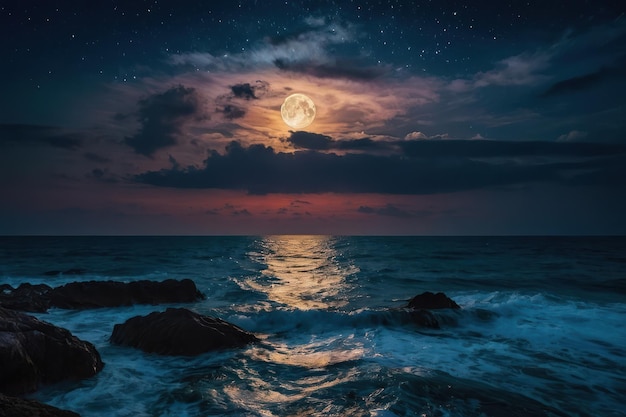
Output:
x,y
97,294
20,407
432,301
178,331
33,353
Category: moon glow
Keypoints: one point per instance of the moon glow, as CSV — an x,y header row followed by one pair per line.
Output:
x,y
298,111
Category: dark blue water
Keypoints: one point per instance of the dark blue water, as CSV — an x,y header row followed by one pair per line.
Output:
x,y
541,330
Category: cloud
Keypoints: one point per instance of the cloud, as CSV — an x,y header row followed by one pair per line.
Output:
x,y
481,148
249,91
307,45
348,69
232,112
587,81
388,210
307,140
523,69
573,136
423,136
319,142
245,91
415,136
162,116
94,157
258,169
22,134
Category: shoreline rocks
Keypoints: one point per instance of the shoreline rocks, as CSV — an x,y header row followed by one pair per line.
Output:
x,y
97,294
35,353
20,407
178,331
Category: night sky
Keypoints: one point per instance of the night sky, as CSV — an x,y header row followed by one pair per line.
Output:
x,y
433,117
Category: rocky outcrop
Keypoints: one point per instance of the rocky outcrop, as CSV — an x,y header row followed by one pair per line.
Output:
x,y
33,353
19,407
419,310
26,297
95,294
178,331
430,301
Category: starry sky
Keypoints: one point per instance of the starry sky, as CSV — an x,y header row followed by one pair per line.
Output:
x,y
433,117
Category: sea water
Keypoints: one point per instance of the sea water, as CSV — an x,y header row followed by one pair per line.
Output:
x,y
540,330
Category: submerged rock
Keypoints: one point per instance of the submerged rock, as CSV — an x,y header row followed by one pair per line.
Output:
x,y
33,353
19,407
178,331
95,294
430,301
404,316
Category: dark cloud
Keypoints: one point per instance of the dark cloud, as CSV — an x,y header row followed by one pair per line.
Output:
x,y
103,175
260,170
440,148
162,117
493,148
588,81
22,134
339,69
298,203
93,157
365,144
249,91
308,140
232,112
319,142
388,210
245,91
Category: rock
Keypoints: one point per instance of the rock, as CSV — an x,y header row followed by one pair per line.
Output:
x,y
430,301
33,352
26,297
94,294
179,331
404,316
19,407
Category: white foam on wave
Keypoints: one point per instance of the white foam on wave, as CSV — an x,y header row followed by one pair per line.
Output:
x,y
550,348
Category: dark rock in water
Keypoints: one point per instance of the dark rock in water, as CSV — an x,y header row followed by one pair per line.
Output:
x,y
19,407
179,331
94,294
33,352
430,301
404,316
424,318
26,297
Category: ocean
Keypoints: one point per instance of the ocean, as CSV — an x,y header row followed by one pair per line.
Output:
x,y
541,330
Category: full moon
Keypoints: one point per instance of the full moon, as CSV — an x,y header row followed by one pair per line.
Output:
x,y
298,111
